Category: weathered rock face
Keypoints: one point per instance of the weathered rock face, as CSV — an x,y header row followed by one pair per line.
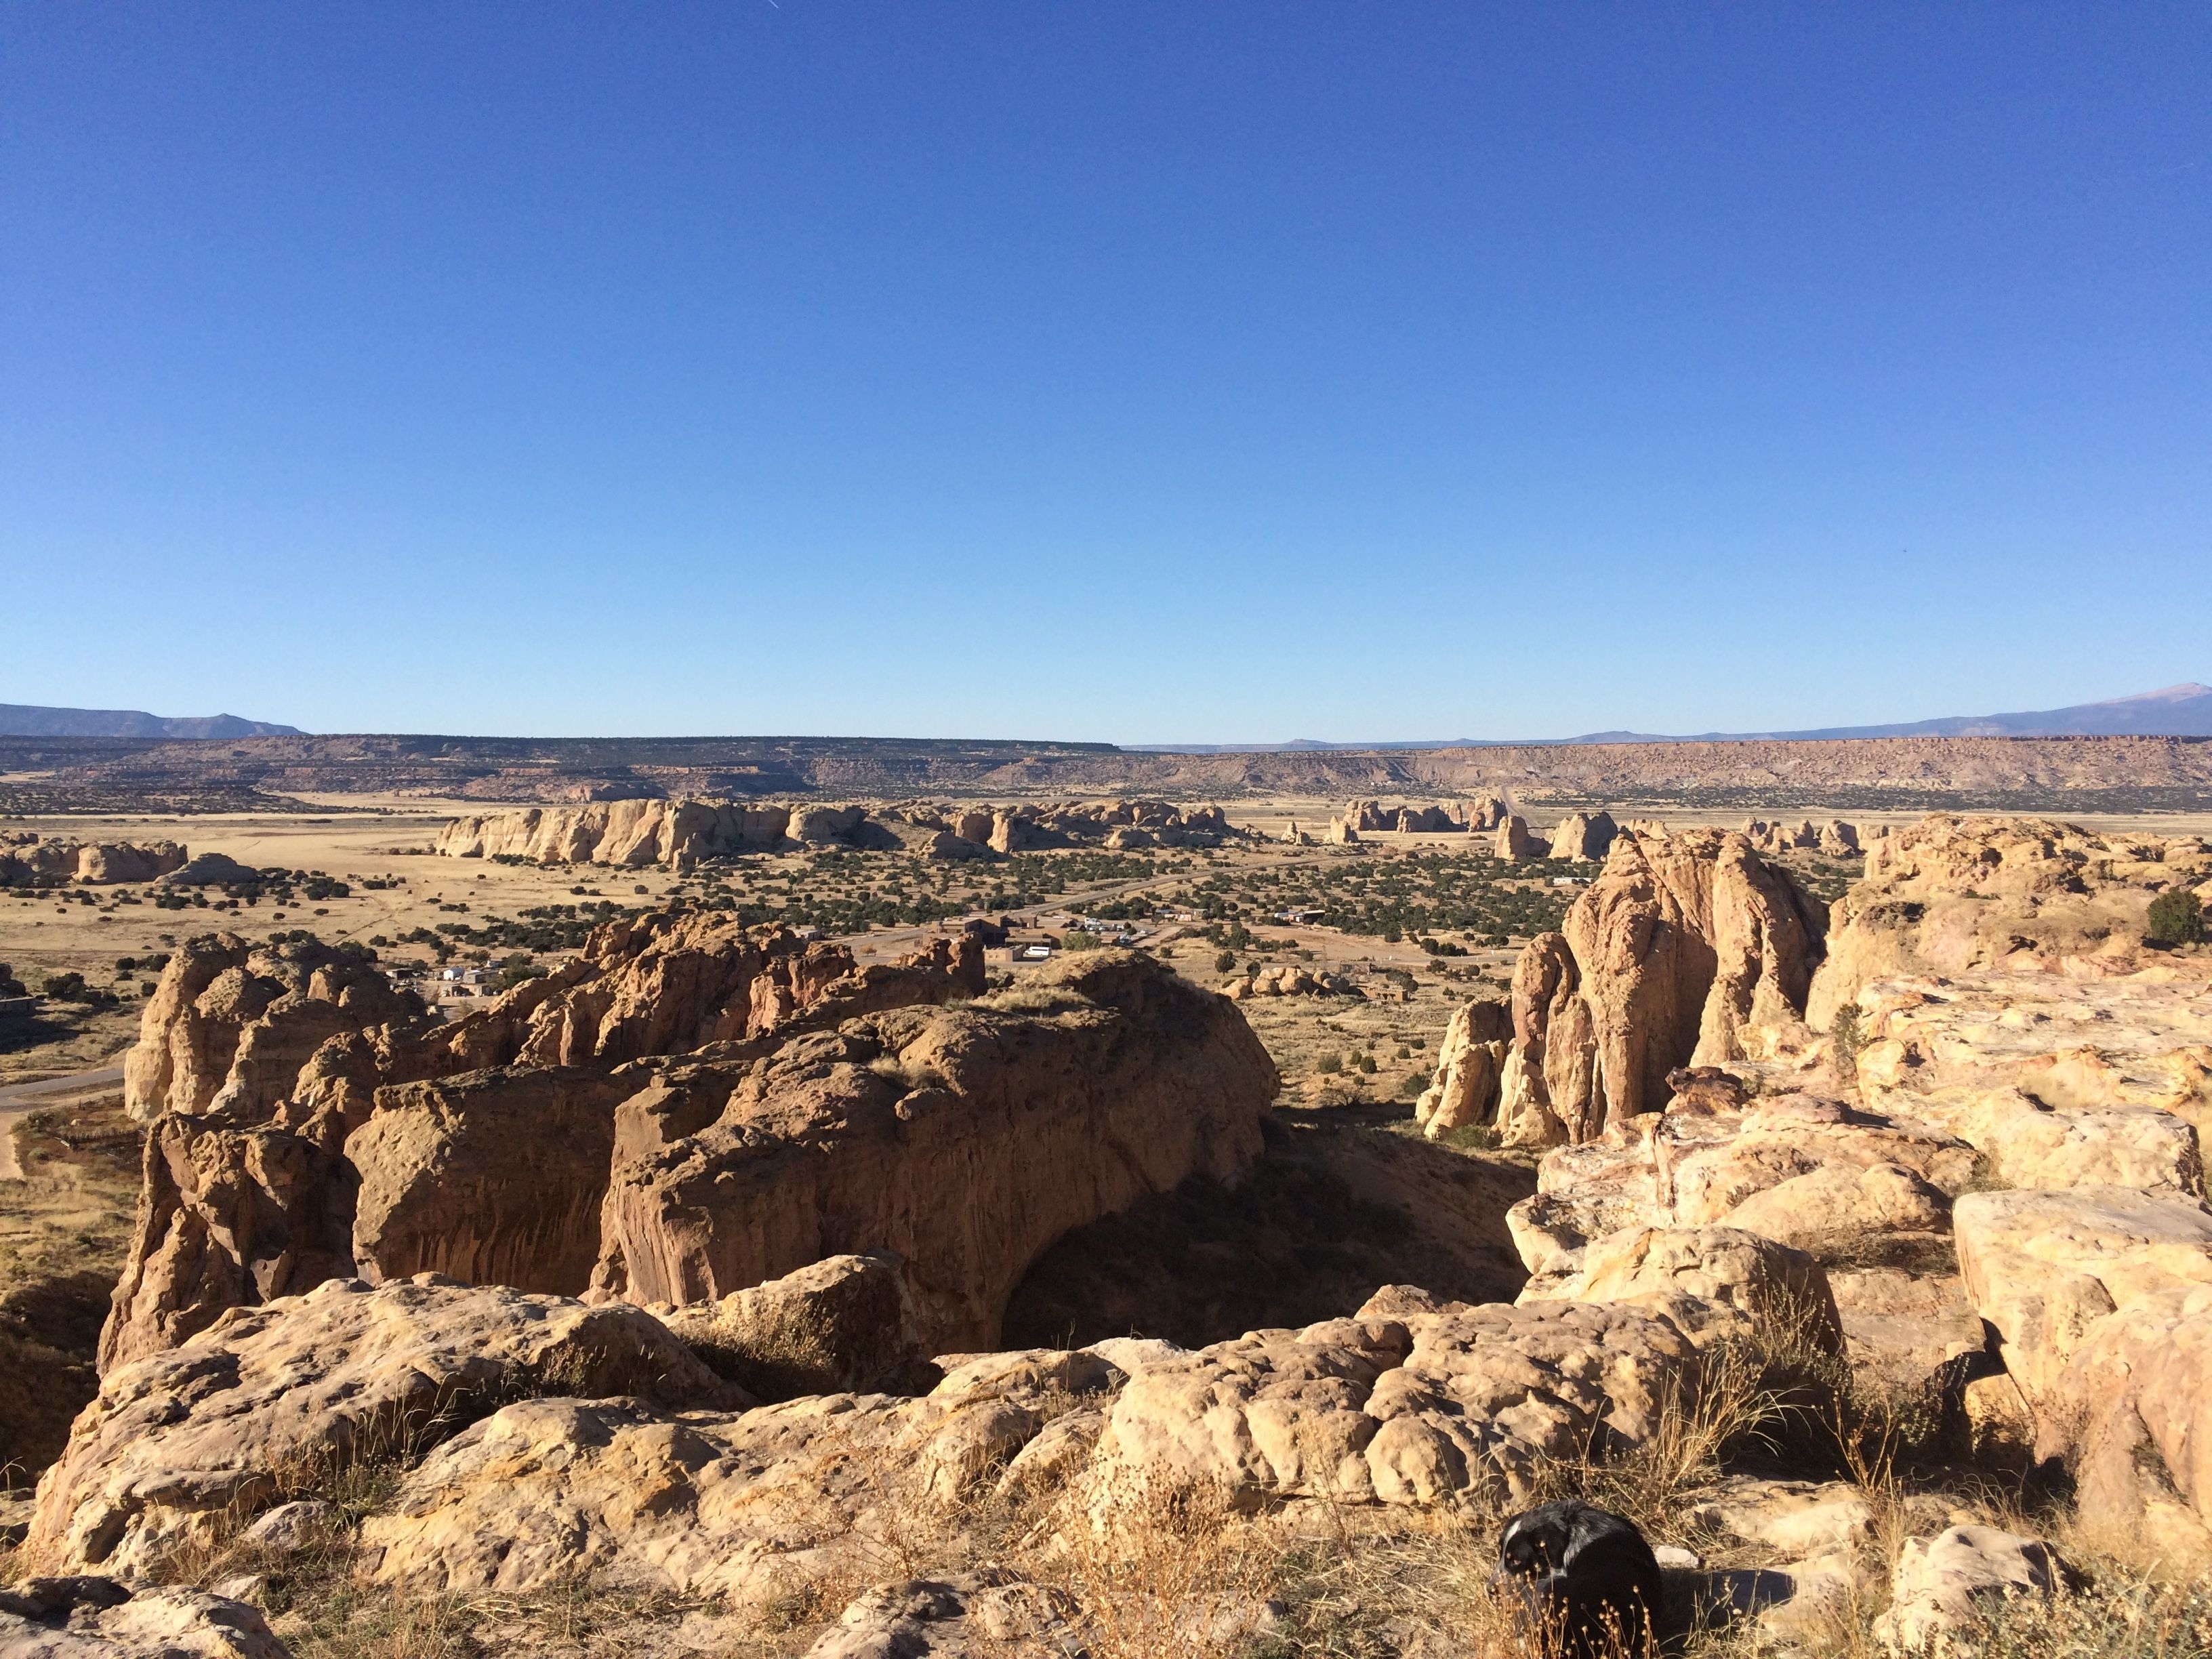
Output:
x,y
966,1139
1514,841
1712,1282
26,858
1670,958
83,1617
491,1178
629,833
747,1507
181,1444
2071,1077
2102,1297
227,1217
1470,1066
231,1023
1583,836
1949,895
1485,815
1423,1406
480,1150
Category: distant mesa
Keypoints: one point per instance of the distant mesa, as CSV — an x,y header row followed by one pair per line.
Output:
x,y
19,719
2177,711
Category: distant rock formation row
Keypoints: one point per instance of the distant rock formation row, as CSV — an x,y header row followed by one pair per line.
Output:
x,y
680,834
27,860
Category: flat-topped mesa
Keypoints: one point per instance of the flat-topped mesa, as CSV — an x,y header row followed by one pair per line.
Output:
x,y
27,860
1677,951
263,1177
965,1138
1950,895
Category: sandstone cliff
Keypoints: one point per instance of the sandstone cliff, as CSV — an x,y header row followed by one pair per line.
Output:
x,y
965,1139
479,1149
1676,950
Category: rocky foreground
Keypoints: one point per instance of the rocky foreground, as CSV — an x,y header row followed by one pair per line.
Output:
x,y
1869,1269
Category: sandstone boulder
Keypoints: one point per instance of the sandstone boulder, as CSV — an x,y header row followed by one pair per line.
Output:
x,y
2102,1297
1470,1063
184,1444
1459,1404
1715,1283
94,1617
965,1139
844,1324
1942,1586
953,1616
1514,841
750,1506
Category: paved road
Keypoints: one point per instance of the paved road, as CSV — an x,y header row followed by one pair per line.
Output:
x,y
19,1098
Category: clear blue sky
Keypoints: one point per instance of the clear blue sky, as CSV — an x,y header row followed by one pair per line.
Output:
x,y
1126,371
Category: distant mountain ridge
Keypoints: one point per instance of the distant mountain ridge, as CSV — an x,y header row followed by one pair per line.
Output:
x,y
19,719
2176,711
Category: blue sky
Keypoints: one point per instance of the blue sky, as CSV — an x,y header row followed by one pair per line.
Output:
x,y
1124,372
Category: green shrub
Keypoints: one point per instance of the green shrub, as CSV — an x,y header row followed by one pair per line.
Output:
x,y
2176,917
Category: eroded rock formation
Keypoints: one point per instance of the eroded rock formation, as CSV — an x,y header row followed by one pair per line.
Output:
x,y
1672,957
29,859
966,1138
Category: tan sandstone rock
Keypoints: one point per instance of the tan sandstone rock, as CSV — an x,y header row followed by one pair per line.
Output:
x,y
965,1139
183,1445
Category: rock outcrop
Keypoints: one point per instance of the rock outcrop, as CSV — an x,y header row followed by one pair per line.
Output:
x,y
231,1023
1951,895
1583,836
28,860
1470,1068
966,1139
1670,958
88,1616
630,832
1514,841
480,1149
2102,1299
183,1445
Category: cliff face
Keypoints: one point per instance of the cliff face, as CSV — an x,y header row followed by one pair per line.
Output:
x,y
309,1123
1677,948
966,1138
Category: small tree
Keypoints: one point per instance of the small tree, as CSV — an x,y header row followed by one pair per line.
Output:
x,y
2176,917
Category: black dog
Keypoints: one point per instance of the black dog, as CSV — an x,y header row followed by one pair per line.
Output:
x,y
1586,1581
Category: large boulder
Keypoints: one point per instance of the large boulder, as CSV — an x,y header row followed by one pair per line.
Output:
x,y
1943,1588
2102,1298
185,1444
965,1138
1714,1282
751,1507
88,1616
1401,1404
844,1324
